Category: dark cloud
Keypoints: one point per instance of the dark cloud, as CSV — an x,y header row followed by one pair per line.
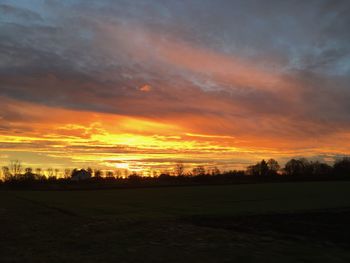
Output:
x,y
10,11
95,55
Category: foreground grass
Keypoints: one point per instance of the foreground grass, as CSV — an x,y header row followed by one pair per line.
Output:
x,y
289,222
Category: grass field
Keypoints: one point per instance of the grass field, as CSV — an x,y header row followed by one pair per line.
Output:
x,y
278,222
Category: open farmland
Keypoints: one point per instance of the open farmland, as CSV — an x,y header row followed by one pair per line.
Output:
x,y
278,222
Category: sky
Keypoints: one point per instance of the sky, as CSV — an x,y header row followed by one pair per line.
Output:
x,y
144,84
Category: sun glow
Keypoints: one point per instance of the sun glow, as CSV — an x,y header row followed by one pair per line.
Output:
x,y
122,166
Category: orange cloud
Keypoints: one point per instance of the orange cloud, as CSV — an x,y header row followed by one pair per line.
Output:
x,y
69,138
146,88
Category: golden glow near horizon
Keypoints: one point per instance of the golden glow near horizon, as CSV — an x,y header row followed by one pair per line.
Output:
x,y
66,138
75,138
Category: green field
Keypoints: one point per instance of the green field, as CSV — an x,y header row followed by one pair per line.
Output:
x,y
278,222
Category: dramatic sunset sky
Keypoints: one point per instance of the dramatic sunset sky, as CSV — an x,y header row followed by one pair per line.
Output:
x,y
143,84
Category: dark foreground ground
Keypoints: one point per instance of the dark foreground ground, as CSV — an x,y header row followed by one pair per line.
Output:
x,y
289,222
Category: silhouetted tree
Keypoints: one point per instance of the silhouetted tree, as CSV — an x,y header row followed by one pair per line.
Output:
x,y
253,170
52,178
78,175
264,168
74,172
199,170
38,171
109,174
90,171
164,175
126,173
342,167
15,167
320,169
28,174
67,173
118,174
273,167
259,169
134,177
98,173
155,173
6,173
179,169
298,167
215,171
49,172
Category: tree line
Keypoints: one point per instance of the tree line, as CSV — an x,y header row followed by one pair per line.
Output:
x,y
265,168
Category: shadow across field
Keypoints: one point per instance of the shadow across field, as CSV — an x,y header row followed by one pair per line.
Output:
x,y
295,222
325,226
